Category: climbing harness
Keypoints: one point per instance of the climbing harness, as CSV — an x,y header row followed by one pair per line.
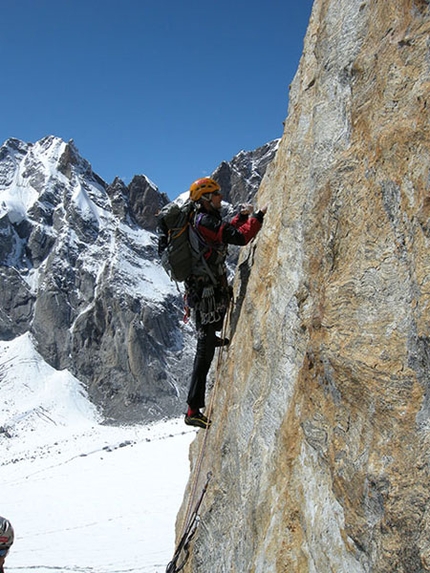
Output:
x,y
192,518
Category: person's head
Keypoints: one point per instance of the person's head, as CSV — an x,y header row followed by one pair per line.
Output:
x,y
6,538
206,192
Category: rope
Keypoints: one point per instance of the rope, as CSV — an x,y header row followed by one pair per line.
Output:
x,y
191,519
184,544
209,412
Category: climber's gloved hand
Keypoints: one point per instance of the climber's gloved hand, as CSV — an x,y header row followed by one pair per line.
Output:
x,y
260,213
246,209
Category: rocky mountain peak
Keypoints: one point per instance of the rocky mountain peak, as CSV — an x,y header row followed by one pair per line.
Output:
x,y
70,158
145,201
240,178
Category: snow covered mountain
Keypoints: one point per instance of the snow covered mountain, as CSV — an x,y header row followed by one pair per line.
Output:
x,y
79,273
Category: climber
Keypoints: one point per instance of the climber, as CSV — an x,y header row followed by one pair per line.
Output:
x,y
6,540
206,289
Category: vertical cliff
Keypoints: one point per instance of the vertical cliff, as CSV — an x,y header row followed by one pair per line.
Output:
x,y
319,448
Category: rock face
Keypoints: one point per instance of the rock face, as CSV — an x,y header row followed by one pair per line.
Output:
x,y
319,448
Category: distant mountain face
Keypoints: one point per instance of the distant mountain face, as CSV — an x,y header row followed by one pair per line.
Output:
x,y
241,177
79,270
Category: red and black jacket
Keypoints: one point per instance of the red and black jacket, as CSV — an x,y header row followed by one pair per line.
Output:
x,y
215,234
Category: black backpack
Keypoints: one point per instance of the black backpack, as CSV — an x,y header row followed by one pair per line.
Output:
x,y
180,247
174,245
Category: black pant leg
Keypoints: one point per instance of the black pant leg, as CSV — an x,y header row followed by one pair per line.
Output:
x,y
206,337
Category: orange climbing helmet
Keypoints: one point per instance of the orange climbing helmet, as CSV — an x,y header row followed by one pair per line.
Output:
x,y
203,186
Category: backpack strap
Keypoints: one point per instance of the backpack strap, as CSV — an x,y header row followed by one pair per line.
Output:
x,y
200,247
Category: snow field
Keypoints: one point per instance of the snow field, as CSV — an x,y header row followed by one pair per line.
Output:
x,y
104,501
83,497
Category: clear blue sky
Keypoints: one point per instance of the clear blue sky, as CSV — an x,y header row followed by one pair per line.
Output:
x,y
165,88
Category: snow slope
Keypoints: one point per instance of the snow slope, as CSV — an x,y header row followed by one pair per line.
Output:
x,y
82,496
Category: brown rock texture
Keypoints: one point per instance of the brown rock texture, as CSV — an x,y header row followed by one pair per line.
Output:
x,y
319,448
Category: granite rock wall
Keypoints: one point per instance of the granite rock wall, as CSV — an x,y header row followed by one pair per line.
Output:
x,y
319,448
